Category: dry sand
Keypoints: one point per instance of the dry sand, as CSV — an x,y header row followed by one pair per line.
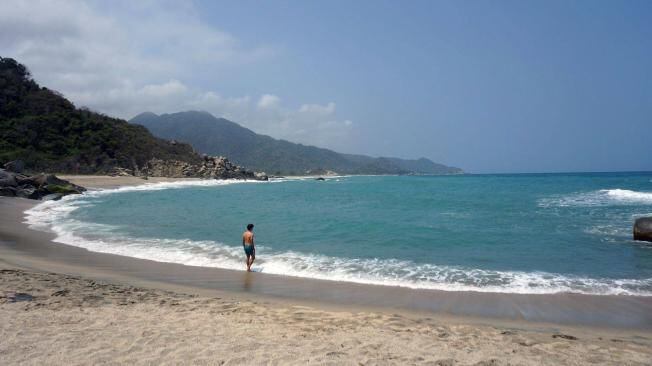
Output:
x,y
103,181
63,319
52,318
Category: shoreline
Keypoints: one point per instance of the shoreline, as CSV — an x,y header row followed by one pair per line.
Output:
x,y
51,318
447,327
610,311
31,249
518,281
94,182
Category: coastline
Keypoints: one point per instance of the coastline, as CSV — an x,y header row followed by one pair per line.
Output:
x,y
505,327
104,181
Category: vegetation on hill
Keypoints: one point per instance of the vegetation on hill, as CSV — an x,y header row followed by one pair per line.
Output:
x,y
218,136
47,132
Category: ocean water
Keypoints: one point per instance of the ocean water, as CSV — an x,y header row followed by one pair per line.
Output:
x,y
529,233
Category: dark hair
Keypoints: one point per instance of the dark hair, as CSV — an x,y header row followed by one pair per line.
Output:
x,y
250,226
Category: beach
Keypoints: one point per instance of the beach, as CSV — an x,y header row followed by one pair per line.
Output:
x,y
103,181
65,305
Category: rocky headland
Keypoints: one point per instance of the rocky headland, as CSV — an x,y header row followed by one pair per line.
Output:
x,y
215,167
13,183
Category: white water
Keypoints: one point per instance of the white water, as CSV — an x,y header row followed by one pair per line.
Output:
x,y
55,216
603,197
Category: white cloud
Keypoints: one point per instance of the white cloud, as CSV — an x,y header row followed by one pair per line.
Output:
x,y
318,109
268,101
122,58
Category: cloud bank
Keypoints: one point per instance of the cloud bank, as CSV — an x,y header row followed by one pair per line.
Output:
x,y
123,58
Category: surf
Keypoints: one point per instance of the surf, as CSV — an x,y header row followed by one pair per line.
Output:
x,y
72,229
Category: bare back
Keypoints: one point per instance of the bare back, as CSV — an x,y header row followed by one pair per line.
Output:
x,y
248,238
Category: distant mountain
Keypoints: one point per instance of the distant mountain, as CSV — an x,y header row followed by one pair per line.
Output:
x,y
48,133
219,136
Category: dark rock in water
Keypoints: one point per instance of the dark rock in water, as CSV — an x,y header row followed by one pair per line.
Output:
x,y
16,166
320,178
643,229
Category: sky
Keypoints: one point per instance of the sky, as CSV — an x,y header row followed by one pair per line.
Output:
x,y
488,86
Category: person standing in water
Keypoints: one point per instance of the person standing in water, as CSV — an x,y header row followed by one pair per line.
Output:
x,y
249,247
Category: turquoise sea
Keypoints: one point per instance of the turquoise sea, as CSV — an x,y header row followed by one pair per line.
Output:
x,y
524,233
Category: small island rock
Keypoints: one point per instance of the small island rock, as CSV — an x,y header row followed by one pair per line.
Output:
x,y
643,229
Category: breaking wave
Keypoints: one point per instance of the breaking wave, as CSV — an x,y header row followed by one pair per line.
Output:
x,y
55,216
603,197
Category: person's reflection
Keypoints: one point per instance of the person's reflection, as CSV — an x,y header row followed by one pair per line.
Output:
x,y
247,281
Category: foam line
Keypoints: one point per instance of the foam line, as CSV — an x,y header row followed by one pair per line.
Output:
x,y
603,197
55,216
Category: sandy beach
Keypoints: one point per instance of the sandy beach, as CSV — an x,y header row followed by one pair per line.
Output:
x,y
67,306
59,319
103,181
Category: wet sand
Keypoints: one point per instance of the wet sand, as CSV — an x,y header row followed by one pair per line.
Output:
x,y
322,321
35,250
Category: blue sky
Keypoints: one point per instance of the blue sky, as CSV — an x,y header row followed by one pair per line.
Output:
x,y
490,86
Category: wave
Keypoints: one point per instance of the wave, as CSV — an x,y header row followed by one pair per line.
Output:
x,y
603,197
55,216
336,178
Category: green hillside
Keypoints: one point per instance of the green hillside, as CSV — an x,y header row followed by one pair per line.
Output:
x,y
218,136
47,132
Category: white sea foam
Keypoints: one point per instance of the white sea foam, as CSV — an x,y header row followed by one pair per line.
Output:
x,y
603,197
55,216
336,178
609,230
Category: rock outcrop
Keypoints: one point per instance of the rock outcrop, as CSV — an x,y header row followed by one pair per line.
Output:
x,y
121,172
48,186
39,186
210,167
643,229
16,166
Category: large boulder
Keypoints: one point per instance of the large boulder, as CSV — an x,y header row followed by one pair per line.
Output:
x,y
7,179
43,180
8,191
643,229
36,186
261,176
16,166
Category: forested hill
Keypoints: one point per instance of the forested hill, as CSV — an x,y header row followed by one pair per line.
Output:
x,y
218,136
46,131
